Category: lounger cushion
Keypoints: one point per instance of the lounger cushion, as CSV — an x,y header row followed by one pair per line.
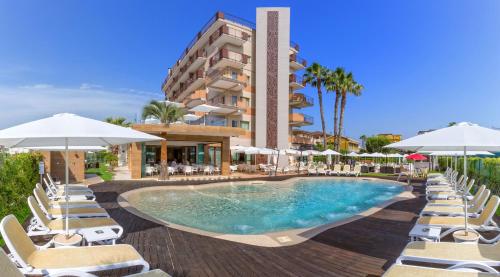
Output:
x,y
453,251
446,202
79,223
75,257
62,211
448,209
73,203
74,193
411,271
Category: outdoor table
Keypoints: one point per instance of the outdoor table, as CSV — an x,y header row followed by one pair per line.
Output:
x,y
60,240
425,232
100,235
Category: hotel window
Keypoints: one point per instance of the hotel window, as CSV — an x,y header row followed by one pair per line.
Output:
x,y
234,75
245,125
245,101
234,123
234,100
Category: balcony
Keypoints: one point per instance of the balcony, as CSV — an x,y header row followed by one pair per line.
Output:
x,y
227,58
295,82
226,34
302,140
299,100
294,47
297,63
226,108
197,98
195,80
226,79
300,119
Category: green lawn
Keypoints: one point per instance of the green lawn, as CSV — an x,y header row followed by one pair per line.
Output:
x,y
102,172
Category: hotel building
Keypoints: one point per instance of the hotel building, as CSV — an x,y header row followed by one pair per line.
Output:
x,y
250,72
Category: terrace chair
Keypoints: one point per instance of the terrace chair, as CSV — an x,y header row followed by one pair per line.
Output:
x,y
73,195
53,213
337,169
473,211
61,203
484,222
41,260
346,170
457,202
188,170
216,170
312,170
356,171
233,168
40,224
459,270
321,171
286,170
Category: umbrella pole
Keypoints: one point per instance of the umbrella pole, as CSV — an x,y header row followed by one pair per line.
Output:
x,y
66,172
465,192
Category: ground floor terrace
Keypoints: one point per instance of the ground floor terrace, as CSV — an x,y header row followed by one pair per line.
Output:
x,y
365,247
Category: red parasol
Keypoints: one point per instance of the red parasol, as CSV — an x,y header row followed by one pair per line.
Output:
x,y
416,157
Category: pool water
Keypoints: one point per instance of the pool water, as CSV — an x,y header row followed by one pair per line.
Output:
x,y
264,208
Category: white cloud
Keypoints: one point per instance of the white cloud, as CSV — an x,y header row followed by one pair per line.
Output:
x,y
26,103
85,86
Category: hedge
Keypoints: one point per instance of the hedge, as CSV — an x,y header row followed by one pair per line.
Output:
x,y
18,176
486,171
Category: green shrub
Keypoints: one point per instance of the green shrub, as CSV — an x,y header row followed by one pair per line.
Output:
x,y
18,176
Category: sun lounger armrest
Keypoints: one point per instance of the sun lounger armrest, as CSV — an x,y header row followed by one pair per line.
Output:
x,y
470,265
72,273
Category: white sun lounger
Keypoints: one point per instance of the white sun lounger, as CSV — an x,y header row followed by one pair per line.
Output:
x,y
337,169
40,260
41,225
321,171
71,188
460,270
356,171
73,195
346,170
435,195
451,253
53,213
473,210
311,171
60,185
484,222
457,202
61,203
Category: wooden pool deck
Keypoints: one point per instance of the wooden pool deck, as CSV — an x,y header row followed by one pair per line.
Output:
x,y
365,247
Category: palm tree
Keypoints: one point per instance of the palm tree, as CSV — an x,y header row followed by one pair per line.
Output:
x,y
363,140
334,83
166,113
120,121
352,87
315,76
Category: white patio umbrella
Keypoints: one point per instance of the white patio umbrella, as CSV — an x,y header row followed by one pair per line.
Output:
x,y
190,117
70,130
462,137
203,108
70,148
353,154
458,153
330,152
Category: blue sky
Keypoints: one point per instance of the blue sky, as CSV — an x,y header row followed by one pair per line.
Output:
x,y
423,63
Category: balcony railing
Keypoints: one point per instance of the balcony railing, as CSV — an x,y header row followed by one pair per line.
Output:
x,y
199,74
297,59
294,45
226,30
301,119
302,140
224,53
293,78
301,100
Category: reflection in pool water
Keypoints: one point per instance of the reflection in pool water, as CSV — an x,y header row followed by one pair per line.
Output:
x,y
264,208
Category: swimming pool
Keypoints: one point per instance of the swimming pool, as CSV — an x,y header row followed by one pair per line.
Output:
x,y
266,207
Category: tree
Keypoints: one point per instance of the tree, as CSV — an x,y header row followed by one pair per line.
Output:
x,y
315,76
349,86
453,123
120,121
333,84
376,144
166,113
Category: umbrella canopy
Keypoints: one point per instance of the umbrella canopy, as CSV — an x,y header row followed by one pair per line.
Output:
x,y
70,148
248,150
365,155
353,154
289,151
190,117
460,153
377,155
267,151
394,155
330,152
70,130
311,153
203,108
416,157
466,135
